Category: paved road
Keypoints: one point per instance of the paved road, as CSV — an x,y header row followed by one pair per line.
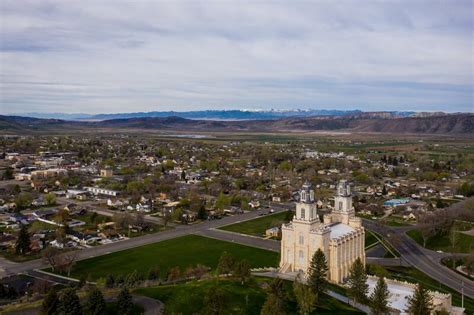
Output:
x,y
180,230
423,259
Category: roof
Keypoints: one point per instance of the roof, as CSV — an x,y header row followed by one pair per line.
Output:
x,y
340,229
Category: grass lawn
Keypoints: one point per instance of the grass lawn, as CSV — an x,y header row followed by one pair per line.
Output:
x,y
413,275
187,298
370,238
182,252
396,221
257,226
441,242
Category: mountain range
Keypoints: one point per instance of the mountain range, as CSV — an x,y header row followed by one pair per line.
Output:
x,y
210,114
371,122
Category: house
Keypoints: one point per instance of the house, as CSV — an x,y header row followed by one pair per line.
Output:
x,y
273,232
102,191
254,204
107,172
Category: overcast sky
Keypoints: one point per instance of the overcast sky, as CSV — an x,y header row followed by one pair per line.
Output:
x,y
123,56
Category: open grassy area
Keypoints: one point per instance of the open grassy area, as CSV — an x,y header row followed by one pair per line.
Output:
x,y
182,252
257,226
441,242
370,239
413,275
187,298
396,221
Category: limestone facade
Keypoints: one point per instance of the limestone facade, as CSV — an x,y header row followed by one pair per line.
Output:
x,y
340,235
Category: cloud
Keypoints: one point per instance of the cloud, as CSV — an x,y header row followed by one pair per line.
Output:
x,y
116,56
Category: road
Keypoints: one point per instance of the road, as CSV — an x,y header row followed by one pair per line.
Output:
x,y
423,259
180,230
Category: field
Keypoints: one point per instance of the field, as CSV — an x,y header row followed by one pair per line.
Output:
x,y
413,275
187,298
182,252
441,242
257,226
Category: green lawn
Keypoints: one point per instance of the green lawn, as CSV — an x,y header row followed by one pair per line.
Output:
x,y
413,275
370,238
182,252
187,298
396,221
441,242
257,226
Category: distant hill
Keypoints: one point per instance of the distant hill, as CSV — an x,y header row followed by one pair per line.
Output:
x,y
376,122
202,114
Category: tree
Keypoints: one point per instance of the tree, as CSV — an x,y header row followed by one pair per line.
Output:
x,y
357,281
454,241
378,300
124,302
215,300
317,273
226,263
132,279
69,303
242,270
420,303
50,303
273,306
174,274
200,271
22,245
95,303
152,274
109,281
202,213
23,200
50,256
305,297
50,199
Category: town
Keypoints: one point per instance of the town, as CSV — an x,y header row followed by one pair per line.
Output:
x,y
145,215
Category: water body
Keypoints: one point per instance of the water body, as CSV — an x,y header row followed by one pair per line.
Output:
x,y
191,136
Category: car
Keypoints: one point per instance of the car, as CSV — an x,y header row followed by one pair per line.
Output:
x,y
272,210
440,251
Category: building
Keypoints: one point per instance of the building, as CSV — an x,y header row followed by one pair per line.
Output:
x,y
106,172
102,191
340,236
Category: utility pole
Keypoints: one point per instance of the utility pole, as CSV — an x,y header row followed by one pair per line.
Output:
x,y
462,294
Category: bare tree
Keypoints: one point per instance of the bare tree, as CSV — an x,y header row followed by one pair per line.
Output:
x,y
51,257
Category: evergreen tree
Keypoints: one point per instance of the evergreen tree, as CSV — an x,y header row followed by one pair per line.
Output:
x,y
378,300
202,213
109,281
214,301
124,302
305,297
22,245
69,303
357,281
242,270
420,303
276,300
50,303
226,263
317,273
273,306
152,275
384,190
95,303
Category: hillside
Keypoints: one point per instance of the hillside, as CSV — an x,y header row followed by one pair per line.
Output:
x,y
374,123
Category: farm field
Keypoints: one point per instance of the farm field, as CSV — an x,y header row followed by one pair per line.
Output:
x,y
181,252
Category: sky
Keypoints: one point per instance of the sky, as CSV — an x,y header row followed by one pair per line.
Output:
x,y
128,56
